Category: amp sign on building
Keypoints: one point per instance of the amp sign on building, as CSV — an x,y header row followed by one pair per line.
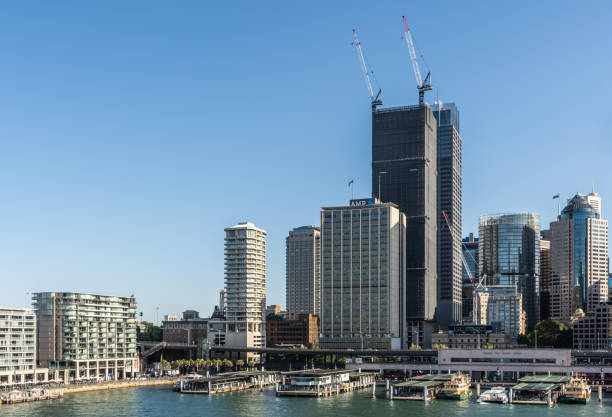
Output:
x,y
362,202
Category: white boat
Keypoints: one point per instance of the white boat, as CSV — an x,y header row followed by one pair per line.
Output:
x,y
494,395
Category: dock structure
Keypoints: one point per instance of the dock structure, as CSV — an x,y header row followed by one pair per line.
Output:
x,y
538,390
420,388
227,382
323,382
35,394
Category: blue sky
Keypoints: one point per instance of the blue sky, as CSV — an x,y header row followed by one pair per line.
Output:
x,y
132,133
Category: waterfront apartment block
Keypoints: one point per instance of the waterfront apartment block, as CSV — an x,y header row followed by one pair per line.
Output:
x,y
362,275
86,335
449,308
303,274
509,254
18,347
579,259
404,172
243,324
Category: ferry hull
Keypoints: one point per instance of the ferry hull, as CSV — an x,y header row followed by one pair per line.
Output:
x,y
574,400
456,397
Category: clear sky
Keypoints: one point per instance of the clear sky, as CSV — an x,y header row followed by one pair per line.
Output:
x,y
132,133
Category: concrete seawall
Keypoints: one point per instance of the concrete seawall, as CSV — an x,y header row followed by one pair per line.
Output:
x,y
117,385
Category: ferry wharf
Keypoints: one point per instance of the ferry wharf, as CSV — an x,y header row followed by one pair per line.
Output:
x,y
323,382
227,382
538,390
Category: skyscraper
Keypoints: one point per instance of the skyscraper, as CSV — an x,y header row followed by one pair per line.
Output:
x,y
303,275
404,171
579,259
245,290
449,201
362,275
509,254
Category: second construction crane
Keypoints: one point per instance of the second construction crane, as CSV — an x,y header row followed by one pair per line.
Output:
x,y
422,84
375,100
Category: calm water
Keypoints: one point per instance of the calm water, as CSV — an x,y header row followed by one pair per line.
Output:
x,y
161,401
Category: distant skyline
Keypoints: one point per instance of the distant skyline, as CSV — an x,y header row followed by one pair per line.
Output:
x,y
133,133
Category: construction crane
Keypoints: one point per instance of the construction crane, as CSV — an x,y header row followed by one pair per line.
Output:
x,y
465,265
375,100
422,84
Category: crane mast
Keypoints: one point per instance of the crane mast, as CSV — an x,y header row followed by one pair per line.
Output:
x,y
375,100
422,84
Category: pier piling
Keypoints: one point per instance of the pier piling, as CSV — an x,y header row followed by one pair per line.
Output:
x,y
599,394
478,389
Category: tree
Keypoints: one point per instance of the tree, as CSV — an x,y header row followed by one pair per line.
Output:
x,y
239,363
415,347
549,333
152,333
439,346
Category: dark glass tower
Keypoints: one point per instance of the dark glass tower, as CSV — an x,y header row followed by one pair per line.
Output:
x,y
449,201
404,158
509,254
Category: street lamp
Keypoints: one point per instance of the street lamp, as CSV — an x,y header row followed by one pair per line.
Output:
x,y
379,175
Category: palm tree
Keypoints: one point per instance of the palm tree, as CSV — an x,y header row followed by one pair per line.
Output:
x,y
227,364
251,363
240,363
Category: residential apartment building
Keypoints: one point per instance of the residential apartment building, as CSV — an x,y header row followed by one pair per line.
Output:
x,y
404,172
303,270
579,260
298,329
243,324
18,348
509,255
86,335
449,306
362,275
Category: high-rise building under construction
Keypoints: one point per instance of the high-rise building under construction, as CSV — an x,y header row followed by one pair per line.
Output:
x,y
404,172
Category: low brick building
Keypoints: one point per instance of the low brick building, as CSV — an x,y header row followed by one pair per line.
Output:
x,y
300,329
191,329
471,336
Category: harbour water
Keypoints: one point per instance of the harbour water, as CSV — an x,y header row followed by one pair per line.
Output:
x,y
161,401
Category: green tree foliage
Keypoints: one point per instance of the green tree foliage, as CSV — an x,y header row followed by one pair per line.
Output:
x,y
152,332
550,333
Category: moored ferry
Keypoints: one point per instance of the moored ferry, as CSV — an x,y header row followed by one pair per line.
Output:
x,y
494,395
457,388
577,391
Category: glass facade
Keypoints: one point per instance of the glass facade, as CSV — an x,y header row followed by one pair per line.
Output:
x,y
404,159
469,248
579,211
509,254
449,308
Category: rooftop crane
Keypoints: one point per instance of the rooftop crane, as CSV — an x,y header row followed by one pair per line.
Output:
x,y
375,100
422,84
